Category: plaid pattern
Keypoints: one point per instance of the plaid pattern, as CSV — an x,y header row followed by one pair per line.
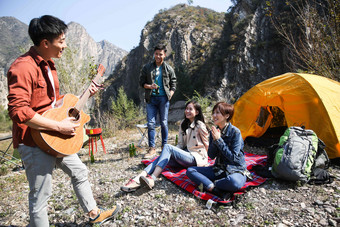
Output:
x,y
179,177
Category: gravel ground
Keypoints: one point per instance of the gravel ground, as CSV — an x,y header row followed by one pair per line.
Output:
x,y
275,203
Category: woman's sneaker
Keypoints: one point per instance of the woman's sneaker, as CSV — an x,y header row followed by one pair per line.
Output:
x,y
224,195
147,181
131,186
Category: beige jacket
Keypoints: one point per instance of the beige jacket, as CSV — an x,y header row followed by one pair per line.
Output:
x,y
196,140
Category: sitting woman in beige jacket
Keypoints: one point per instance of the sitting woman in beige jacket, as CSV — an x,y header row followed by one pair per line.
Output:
x,y
193,143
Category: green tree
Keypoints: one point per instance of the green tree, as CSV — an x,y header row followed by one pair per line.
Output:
x,y
124,110
74,75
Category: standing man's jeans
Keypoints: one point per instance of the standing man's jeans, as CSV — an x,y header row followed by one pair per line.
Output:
x,y
158,104
206,176
39,167
173,156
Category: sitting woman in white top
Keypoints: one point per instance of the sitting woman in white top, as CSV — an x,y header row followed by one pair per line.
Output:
x,y
193,143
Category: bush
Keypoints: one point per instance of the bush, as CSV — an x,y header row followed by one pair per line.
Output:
x,y
5,121
108,124
205,102
206,105
125,112
311,32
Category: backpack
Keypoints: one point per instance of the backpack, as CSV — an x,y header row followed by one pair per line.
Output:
x,y
295,156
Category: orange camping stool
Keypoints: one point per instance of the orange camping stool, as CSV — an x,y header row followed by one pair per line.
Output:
x,y
93,134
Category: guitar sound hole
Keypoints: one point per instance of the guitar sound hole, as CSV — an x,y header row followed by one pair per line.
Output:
x,y
74,113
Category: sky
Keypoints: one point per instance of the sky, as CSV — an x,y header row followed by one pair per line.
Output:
x,y
118,21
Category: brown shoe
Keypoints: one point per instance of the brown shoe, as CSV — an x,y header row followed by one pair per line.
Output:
x,y
151,153
105,215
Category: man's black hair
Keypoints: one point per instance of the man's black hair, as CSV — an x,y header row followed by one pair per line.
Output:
x,y
46,27
160,47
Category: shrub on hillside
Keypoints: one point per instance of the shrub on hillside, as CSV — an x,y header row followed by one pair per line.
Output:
x,y
124,110
5,121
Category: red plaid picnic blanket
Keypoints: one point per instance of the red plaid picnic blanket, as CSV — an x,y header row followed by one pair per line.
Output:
x,y
179,177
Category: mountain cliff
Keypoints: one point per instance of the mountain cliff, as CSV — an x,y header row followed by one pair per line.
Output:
x,y
103,52
189,33
217,54
14,41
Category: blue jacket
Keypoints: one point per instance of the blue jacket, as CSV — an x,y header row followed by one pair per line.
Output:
x,y
228,150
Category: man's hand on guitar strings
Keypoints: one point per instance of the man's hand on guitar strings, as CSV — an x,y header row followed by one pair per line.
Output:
x,y
68,127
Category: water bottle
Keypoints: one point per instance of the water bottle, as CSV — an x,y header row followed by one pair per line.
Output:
x,y
130,150
133,150
92,157
157,90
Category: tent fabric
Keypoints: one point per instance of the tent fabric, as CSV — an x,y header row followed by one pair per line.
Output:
x,y
306,100
178,176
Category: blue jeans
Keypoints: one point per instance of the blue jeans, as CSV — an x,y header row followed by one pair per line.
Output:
x,y
173,156
206,176
158,104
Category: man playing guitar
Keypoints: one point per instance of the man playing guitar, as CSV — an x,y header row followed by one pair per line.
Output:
x,y
34,88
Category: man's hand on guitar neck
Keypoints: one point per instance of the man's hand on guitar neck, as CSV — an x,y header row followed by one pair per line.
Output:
x,y
66,126
94,88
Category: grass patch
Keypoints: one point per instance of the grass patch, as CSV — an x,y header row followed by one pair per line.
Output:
x,y
3,170
16,179
159,196
249,206
105,197
126,209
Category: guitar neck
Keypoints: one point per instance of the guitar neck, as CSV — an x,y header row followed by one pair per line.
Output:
x,y
83,99
86,94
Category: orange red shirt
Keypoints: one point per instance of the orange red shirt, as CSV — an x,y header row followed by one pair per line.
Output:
x,y
29,92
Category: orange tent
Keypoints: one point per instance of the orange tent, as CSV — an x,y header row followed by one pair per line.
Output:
x,y
303,100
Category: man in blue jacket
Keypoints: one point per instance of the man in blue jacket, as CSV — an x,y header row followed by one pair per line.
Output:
x,y
159,81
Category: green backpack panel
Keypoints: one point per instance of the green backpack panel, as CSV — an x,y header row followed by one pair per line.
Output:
x,y
295,155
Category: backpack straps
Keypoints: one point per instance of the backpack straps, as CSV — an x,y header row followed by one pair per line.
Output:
x,y
320,174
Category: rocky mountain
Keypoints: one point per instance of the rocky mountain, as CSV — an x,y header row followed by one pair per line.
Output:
x,y
103,52
14,41
216,54
189,33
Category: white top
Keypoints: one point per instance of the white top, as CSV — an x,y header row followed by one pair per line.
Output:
x,y
52,82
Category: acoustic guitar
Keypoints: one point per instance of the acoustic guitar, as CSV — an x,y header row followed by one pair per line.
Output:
x,y
60,145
